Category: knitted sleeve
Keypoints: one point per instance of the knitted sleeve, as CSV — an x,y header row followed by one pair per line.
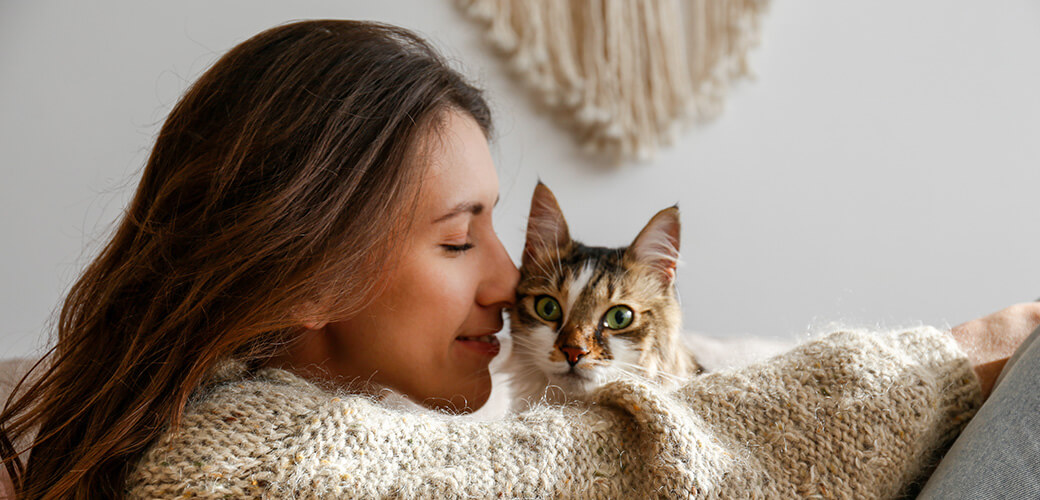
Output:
x,y
854,413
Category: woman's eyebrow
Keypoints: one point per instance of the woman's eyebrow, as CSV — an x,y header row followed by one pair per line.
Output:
x,y
473,207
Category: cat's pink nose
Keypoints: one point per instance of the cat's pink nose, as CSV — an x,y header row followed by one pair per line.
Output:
x,y
573,353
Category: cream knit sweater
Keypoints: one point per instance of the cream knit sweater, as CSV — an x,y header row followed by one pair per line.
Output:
x,y
854,414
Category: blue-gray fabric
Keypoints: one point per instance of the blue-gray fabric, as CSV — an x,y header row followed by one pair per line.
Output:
x,y
998,453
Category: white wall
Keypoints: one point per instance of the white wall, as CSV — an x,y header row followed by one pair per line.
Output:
x,y
882,169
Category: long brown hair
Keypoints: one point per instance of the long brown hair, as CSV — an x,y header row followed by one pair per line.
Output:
x,y
279,179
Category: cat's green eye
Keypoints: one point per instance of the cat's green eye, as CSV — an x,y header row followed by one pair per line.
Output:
x,y
618,317
547,308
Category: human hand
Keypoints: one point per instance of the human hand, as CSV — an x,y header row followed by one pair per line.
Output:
x,y
991,340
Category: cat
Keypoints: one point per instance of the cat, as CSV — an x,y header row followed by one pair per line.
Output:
x,y
586,315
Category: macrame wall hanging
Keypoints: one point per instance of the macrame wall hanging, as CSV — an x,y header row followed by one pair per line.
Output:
x,y
625,75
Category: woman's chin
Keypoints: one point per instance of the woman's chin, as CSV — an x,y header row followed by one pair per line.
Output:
x,y
473,399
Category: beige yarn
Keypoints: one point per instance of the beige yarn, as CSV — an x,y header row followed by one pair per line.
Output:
x,y
624,75
854,414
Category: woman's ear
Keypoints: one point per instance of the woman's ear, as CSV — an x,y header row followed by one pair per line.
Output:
x,y
307,316
314,324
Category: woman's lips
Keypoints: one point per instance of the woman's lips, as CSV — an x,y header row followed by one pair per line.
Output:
x,y
486,345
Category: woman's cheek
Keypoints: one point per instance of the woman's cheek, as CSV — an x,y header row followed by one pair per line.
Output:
x,y
458,294
450,280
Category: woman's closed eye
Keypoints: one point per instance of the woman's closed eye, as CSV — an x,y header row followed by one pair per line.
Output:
x,y
457,249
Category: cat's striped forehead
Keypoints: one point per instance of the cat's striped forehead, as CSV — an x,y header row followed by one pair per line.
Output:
x,y
573,268
587,280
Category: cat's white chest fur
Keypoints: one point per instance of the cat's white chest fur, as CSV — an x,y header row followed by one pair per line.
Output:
x,y
516,379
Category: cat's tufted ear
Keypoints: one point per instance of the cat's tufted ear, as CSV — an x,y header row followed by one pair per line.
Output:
x,y
546,227
657,245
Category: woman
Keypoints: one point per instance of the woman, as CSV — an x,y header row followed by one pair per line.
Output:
x,y
314,224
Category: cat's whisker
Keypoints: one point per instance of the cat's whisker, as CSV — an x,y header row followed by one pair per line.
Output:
x,y
527,371
636,369
528,345
662,374
533,349
522,338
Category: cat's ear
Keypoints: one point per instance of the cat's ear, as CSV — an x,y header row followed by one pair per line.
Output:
x,y
546,227
657,245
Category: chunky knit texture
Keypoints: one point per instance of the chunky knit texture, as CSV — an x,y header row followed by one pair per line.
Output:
x,y
853,414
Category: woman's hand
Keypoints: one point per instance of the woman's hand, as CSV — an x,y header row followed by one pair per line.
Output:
x,y
991,340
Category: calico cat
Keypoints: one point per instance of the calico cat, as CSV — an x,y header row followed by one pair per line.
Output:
x,y
586,315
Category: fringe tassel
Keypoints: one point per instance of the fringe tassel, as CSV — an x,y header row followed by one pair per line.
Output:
x,y
623,74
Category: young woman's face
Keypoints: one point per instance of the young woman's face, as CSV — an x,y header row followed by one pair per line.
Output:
x,y
452,282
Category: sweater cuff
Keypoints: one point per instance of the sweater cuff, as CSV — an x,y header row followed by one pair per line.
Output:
x,y
938,353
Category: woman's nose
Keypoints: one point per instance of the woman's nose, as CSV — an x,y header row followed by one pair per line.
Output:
x,y
501,278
